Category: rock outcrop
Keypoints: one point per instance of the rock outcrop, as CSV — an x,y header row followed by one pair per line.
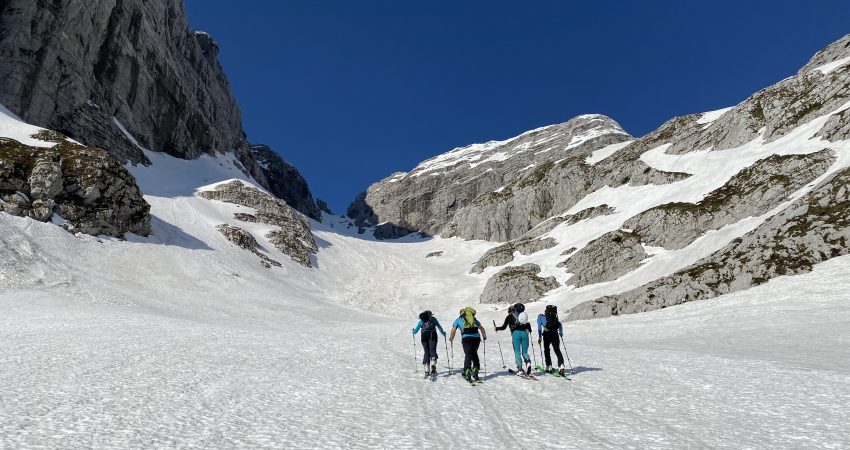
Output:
x,y
246,240
517,283
606,258
293,236
813,229
85,189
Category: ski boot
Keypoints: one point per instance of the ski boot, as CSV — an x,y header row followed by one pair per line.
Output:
x,y
548,368
434,366
475,375
561,371
528,367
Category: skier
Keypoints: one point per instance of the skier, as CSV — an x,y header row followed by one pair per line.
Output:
x,y
550,329
429,325
517,321
470,339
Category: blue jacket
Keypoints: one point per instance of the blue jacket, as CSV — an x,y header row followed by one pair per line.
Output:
x,y
541,322
436,322
458,323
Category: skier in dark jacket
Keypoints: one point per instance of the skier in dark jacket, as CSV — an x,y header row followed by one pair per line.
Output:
x,y
550,331
429,326
471,335
517,321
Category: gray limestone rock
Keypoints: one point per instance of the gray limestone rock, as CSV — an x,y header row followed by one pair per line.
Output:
x,y
293,236
517,284
813,229
72,66
87,69
752,192
490,191
606,258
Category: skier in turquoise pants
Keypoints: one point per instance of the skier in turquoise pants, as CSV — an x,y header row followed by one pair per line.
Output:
x,y
517,321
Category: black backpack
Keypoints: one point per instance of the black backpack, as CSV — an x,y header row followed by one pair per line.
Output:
x,y
552,318
427,323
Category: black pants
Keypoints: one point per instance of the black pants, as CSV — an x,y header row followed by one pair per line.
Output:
x,y
429,346
552,338
470,354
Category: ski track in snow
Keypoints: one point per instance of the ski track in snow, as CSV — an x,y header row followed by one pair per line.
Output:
x,y
183,340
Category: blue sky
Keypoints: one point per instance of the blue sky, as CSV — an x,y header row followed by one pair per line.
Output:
x,y
351,91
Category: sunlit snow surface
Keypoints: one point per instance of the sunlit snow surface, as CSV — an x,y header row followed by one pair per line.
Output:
x,y
181,339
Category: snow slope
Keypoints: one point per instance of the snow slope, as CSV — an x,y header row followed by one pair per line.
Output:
x,y
183,340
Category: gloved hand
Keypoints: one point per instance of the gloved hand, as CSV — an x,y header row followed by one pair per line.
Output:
x,y
561,334
538,341
485,338
413,330
444,334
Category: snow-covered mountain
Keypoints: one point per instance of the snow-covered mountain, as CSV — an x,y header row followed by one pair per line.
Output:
x,y
184,302
607,224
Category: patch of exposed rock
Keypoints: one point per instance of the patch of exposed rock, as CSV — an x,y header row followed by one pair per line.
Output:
x,y
752,192
434,254
606,258
813,229
244,239
503,254
517,284
293,236
86,186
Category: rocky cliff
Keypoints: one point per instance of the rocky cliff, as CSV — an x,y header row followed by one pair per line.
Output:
x,y
97,71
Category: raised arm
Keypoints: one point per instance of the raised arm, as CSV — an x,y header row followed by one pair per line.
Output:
x,y
439,327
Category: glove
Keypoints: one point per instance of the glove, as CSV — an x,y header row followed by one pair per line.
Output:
x,y
413,330
444,334
485,338
538,341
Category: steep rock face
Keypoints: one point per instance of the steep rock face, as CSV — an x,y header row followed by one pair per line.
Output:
x,y
293,236
285,182
93,70
517,284
86,186
72,66
452,194
813,229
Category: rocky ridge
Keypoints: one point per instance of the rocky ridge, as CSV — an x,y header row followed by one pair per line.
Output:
x,y
485,191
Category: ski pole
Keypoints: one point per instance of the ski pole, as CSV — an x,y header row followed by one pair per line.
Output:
x,y
540,347
533,352
485,357
447,354
415,367
500,347
572,371
453,357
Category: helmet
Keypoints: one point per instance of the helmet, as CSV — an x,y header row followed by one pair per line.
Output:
x,y
522,318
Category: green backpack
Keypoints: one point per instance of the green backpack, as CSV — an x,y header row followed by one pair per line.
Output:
x,y
470,326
